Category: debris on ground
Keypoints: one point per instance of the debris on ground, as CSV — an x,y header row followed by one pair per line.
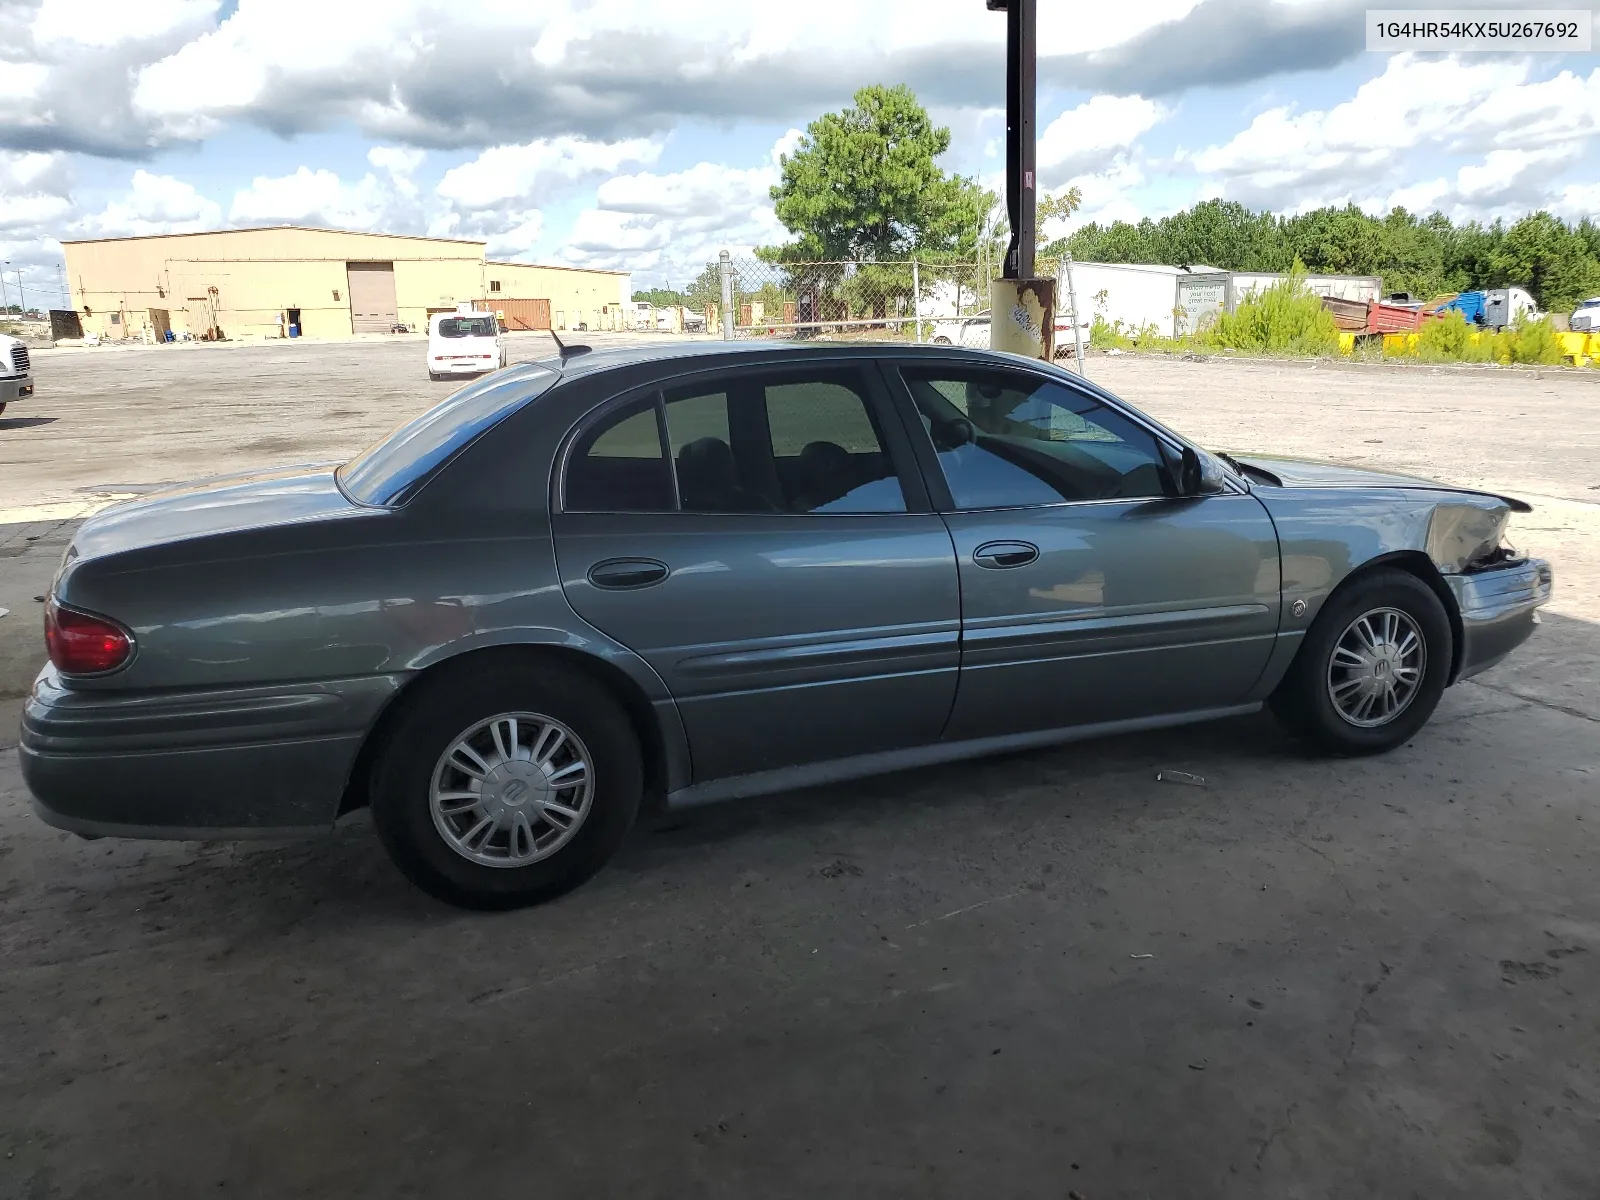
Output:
x,y
1141,956
1181,777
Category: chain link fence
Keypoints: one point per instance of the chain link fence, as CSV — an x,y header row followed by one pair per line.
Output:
x,y
912,301
855,301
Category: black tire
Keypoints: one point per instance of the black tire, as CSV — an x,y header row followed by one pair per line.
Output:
x,y
434,376
3,404
448,706
1303,700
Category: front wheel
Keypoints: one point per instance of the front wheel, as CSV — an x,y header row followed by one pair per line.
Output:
x,y
3,404
1372,667
507,784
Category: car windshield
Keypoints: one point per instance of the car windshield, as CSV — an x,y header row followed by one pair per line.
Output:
x,y
461,327
391,471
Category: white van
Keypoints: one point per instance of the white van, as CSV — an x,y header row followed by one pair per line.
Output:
x,y
464,343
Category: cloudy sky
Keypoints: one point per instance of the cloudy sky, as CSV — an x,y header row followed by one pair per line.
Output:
x,y
644,134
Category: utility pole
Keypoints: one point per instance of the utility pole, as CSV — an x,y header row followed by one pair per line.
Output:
x,y
5,296
1022,306
725,272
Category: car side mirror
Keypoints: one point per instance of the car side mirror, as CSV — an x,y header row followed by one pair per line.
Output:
x,y
1197,477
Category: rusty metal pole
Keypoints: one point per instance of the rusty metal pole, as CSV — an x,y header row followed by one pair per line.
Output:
x,y
1022,305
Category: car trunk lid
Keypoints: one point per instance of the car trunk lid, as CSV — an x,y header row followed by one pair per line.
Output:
x,y
208,507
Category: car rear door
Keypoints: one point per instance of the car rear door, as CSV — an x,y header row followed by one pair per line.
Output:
x,y
763,538
1090,591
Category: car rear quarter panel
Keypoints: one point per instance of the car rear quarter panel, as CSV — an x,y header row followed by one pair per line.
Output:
x,y
383,595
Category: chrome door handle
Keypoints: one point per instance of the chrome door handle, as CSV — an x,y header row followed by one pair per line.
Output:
x,y
999,556
619,574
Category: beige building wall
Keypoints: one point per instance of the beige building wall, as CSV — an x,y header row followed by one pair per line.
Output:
x,y
245,282
577,296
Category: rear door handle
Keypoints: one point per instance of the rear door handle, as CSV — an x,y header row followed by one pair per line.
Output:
x,y
620,574
999,556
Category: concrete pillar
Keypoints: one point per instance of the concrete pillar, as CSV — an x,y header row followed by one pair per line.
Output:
x,y
1022,317
725,271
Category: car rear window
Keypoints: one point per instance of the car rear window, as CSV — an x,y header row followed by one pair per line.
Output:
x,y
460,327
392,470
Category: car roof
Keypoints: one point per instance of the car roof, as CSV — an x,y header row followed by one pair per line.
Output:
x,y
716,353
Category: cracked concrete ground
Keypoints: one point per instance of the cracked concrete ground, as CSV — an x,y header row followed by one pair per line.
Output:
x,y
1033,976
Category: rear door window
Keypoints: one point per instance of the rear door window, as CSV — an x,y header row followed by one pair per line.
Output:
x,y
781,442
618,465
784,441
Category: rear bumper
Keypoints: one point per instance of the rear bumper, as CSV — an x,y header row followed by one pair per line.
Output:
x,y
237,762
15,387
1499,610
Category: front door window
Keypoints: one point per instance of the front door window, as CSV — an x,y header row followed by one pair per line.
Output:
x,y
1007,440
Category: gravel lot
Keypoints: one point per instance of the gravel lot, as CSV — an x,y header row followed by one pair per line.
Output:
x,y
1041,976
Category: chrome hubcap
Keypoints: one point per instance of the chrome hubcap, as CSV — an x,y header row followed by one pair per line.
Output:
x,y
511,790
1377,667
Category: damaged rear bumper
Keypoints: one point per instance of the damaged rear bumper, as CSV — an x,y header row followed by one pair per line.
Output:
x,y
1499,609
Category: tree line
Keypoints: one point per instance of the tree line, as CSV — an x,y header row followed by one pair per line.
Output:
x,y
1558,263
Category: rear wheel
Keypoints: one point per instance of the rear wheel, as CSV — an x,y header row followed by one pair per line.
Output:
x,y
503,785
435,376
1372,667
3,404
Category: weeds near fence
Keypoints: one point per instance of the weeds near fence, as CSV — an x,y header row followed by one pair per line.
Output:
x,y
1284,318
1114,335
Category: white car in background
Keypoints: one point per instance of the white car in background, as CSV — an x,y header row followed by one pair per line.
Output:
x,y
974,331
1586,317
963,331
464,343
16,371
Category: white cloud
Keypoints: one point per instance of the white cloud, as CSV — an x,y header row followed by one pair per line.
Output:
x,y
503,173
1108,195
21,82
1576,201
499,71
1296,161
787,144
401,162
320,197
1507,183
670,225
1094,135
152,204
106,22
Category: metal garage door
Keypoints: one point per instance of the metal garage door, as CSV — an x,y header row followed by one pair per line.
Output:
x,y
372,304
519,314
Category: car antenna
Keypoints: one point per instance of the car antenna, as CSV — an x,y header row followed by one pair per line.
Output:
x,y
568,351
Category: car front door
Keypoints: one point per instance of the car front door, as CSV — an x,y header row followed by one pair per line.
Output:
x,y
1091,592
763,538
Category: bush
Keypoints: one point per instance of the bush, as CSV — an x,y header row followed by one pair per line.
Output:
x,y
1445,339
1535,342
1284,319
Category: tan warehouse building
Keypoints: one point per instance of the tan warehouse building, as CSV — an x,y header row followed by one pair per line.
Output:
x,y
239,284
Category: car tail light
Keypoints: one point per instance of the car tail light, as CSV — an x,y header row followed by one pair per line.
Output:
x,y
81,644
